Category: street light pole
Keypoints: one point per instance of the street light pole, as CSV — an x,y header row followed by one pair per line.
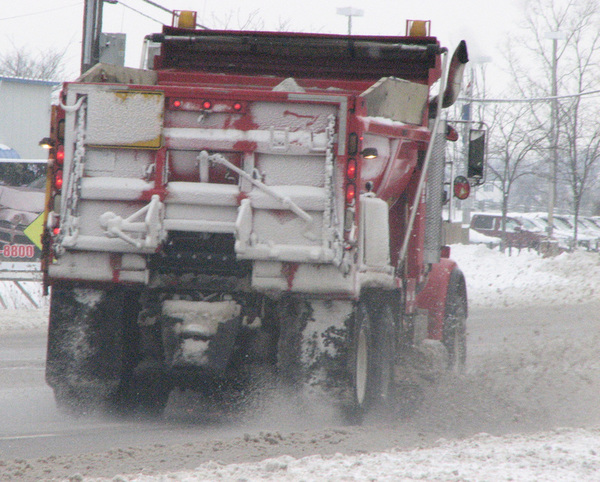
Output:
x,y
555,37
350,12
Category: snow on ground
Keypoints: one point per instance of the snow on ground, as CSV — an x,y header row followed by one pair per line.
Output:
x,y
494,280
560,455
17,311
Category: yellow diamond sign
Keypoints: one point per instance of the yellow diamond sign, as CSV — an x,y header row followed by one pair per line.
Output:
x,y
34,231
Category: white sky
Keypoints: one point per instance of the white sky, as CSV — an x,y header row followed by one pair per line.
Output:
x,y
39,24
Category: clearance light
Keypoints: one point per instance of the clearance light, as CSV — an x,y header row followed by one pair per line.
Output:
x,y
350,193
351,169
177,104
206,105
237,106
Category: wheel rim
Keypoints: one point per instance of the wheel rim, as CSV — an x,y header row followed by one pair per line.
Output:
x,y
361,367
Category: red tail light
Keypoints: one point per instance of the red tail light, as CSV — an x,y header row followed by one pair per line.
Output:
x,y
207,104
60,155
237,106
176,104
351,169
58,179
56,231
350,193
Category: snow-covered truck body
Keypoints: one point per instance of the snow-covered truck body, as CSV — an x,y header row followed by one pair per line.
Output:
x,y
256,203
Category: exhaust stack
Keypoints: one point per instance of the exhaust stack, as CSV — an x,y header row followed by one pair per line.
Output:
x,y
456,71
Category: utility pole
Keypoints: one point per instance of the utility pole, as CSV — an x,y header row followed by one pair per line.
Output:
x,y
92,28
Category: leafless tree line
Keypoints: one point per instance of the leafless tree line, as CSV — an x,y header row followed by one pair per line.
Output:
x,y
21,62
553,141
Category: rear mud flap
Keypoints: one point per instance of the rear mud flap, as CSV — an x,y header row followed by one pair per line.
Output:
x,y
86,345
313,346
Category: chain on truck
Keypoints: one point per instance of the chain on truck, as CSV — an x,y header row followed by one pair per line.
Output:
x,y
253,203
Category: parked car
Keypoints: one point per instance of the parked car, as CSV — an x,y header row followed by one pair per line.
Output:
x,y
585,238
562,239
592,229
517,234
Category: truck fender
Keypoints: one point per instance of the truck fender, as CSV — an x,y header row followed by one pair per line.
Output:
x,y
434,295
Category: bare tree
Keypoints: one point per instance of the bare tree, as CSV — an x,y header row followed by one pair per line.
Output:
x,y
578,120
559,55
513,150
20,62
252,21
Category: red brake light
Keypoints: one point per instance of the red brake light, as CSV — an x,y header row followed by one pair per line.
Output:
x,y
56,231
60,155
207,104
350,193
351,169
58,179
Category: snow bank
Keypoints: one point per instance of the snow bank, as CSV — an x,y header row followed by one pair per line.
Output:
x,y
525,278
565,455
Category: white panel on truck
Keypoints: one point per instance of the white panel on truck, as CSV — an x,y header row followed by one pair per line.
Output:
x,y
125,119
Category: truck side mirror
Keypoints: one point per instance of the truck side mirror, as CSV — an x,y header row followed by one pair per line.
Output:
x,y
476,156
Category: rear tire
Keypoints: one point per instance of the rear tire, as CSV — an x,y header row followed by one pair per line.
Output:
x,y
372,359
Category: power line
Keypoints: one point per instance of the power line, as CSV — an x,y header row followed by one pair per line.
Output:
x,y
533,99
40,12
141,13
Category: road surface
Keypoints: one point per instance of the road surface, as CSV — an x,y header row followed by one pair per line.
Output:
x,y
529,369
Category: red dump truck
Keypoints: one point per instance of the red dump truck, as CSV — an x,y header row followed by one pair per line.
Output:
x,y
253,203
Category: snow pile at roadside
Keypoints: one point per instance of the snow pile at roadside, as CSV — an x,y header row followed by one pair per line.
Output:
x,y
565,455
525,278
